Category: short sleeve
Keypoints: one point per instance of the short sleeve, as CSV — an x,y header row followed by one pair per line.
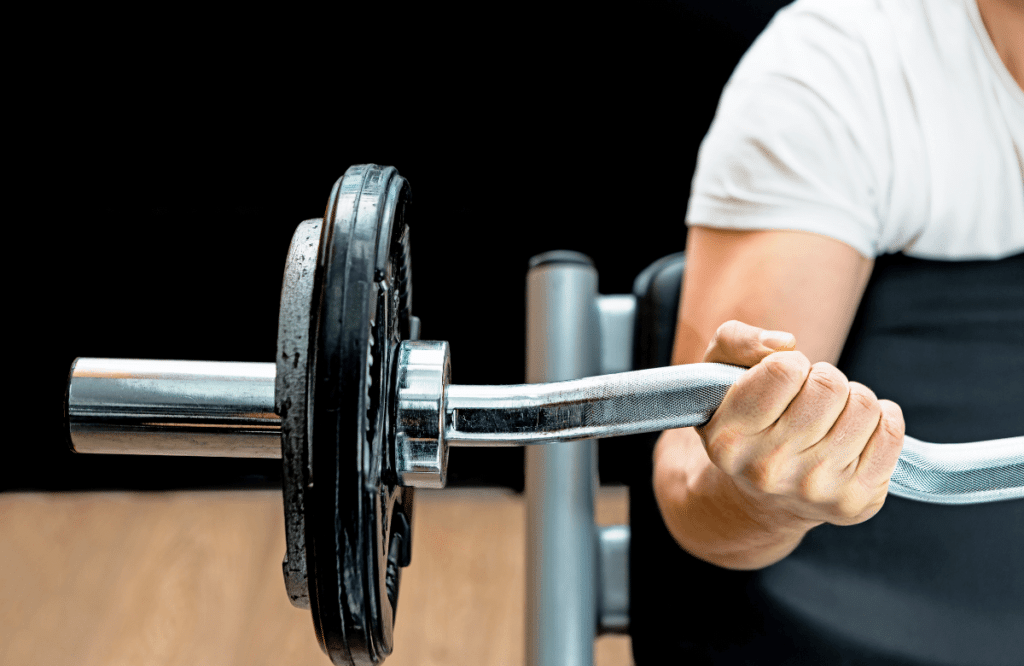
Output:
x,y
799,139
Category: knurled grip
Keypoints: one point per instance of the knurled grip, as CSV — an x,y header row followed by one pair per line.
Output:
x,y
625,403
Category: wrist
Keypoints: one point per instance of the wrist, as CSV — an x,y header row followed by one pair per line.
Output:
x,y
769,515
712,517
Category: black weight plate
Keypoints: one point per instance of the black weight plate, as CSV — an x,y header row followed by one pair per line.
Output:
x,y
357,518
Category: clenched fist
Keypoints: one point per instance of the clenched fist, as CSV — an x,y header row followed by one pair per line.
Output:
x,y
793,445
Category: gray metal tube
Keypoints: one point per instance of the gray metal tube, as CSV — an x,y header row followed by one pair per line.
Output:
x,y
613,593
561,556
183,408
617,313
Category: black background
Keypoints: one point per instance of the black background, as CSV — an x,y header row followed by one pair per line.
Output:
x,y
164,159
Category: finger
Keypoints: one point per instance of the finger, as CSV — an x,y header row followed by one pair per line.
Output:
x,y
842,447
815,409
878,460
741,344
761,395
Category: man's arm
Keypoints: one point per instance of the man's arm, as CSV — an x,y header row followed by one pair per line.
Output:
x,y
794,444
801,283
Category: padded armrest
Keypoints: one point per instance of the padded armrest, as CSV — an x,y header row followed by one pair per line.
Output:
x,y
657,290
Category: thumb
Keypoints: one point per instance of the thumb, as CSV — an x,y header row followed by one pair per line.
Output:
x,y
741,344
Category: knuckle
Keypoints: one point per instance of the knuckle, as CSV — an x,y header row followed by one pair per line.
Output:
x,y
723,449
891,423
827,379
848,508
731,338
878,467
724,333
761,475
860,502
817,487
849,471
787,367
765,473
730,330
869,507
862,398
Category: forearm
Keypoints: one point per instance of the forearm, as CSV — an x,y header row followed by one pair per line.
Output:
x,y
710,517
744,500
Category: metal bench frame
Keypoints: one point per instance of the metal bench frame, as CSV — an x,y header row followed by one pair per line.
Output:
x,y
577,574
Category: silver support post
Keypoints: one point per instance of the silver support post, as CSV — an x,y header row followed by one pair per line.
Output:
x,y
561,560
617,314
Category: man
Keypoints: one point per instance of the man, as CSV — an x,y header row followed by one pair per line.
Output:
x,y
849,132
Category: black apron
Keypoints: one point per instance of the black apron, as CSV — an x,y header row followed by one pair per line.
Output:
x,y
916,584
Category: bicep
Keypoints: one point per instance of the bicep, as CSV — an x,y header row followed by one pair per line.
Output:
x,y
802,283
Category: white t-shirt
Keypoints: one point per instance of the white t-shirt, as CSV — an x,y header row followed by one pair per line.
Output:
x,y
890,125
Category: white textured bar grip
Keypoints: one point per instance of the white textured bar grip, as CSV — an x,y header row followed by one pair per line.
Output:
x,y
968,473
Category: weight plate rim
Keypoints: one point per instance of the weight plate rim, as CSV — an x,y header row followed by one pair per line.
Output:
x,y
290,399
349,599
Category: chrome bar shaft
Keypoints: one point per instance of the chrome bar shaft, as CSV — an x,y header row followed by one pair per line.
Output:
x,y
185,408
201,408
593,407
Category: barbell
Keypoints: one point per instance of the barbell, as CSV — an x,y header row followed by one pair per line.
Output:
x,y
361,412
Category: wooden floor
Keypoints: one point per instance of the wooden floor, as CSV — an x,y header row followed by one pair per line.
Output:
x,y
194,578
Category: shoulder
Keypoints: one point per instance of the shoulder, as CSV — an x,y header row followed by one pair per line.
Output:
x,y
869,121
834,48
799,140
862,59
